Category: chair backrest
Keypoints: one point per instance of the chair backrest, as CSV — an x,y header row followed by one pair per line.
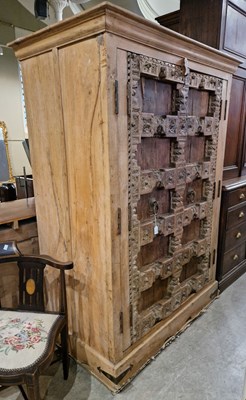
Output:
x,y
31,284
31,279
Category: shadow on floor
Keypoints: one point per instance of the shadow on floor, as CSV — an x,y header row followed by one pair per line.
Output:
x,y
54,387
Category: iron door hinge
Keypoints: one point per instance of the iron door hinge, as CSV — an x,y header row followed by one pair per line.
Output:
x,y
219,188
216,189
121,322
131,315
226,102
116,96
119,221
214,256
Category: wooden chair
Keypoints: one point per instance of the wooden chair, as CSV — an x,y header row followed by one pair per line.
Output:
x,y
28,332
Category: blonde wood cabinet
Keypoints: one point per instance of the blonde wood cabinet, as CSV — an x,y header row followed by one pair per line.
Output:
x,y
127,126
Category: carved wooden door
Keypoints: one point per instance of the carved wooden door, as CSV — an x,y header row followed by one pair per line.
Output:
x,y
173,134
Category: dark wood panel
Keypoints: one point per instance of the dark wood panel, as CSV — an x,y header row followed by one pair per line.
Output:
x,y
194,149
189,269
170,20
198,103
197,190
153,251
191,232
235,31
235,131
243,132
150,296
144,209
155,96
153,153
199,20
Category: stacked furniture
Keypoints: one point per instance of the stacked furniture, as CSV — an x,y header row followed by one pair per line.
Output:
x,y
17,223
127,125
222,24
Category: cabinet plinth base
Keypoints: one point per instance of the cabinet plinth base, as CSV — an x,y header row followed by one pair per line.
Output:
x,y
116,376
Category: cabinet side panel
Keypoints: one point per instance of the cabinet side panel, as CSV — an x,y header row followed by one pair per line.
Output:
x,y
84,96
234,139
234,40
47,150
199,22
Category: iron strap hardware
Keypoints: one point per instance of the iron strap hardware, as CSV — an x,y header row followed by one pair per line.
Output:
x,y
121,322
225,109
119,221
116,96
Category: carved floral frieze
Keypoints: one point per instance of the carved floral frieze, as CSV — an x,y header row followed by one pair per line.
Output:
x,y
171,126
170,178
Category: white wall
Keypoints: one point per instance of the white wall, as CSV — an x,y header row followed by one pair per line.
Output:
x,y
12,14
10,103
155,8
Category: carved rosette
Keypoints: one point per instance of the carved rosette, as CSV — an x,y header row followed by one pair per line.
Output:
x,y
185,207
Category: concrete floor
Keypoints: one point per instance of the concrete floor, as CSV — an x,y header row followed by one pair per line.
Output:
x,y
206,362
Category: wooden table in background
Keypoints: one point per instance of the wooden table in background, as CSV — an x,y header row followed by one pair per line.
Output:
x,y
17,222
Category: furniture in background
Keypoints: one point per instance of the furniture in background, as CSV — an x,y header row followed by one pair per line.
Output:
x,y
7,192
8,248
18,222
232,234
28,331
221,24
6,174
24,186
132,153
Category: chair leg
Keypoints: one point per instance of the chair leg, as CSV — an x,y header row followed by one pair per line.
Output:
x,y
64,349
23,392
32,385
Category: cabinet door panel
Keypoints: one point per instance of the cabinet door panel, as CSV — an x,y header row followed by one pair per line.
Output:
x,y
155,96
173,137
150,153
